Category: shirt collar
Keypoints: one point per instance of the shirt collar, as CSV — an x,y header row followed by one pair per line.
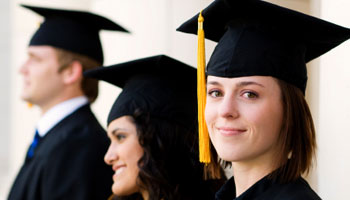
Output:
x,y
228,190
54,115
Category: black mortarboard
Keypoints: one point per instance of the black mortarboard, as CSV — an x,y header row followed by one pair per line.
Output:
x,y
158,85
75,31
259,38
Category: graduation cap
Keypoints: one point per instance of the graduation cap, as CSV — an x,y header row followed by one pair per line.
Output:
x,y
159,85
259,38
75,31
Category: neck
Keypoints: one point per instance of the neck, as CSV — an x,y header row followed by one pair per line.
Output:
x,y
45,107
247,173
65,94
145,194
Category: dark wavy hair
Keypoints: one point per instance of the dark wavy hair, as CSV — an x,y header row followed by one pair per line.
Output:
x,y
169,167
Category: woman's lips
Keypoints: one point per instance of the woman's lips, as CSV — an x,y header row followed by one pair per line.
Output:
x,y
118,170
227,131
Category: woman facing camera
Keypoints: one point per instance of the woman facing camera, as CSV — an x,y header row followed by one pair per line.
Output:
x,y
256,114
152,128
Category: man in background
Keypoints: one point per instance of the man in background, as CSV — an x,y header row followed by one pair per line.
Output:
x,y
65,159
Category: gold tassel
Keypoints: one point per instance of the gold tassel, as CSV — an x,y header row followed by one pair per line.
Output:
x,y
204,148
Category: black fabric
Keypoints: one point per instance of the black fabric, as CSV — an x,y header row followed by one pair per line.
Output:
x,y
267,189
75,31
259,38
68,163
164,90
159,85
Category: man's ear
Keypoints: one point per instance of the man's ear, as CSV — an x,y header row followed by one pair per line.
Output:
x,y
73,73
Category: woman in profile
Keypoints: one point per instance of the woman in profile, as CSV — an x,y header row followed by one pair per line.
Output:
x,y
152,128
257,117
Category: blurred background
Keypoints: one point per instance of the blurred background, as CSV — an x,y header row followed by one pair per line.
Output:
x,y
152,24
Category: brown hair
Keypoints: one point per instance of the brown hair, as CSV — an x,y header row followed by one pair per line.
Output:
x,y
89,86
213,170
297,138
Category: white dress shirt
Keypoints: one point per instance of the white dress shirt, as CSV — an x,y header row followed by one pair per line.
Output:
x,y
54,115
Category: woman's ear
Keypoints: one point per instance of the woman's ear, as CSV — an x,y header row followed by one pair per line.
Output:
x,y
73,73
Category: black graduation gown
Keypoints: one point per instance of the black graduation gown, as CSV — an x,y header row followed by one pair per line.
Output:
x,y
67,163
266,189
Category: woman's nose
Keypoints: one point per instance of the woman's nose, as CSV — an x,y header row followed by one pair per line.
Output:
x,y
228,107
111,155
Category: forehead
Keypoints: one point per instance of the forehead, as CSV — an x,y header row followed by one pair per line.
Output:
x,y
261,81
42,50
124,122
243,79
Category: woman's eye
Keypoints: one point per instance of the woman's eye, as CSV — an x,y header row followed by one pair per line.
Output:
x,y
215,93
250,95
120,137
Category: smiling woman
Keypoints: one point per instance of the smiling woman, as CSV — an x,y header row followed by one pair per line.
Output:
x,y
256,114
152,128
123,155
244,116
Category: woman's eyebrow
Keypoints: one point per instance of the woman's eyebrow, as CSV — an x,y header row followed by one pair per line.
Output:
x,y
246,83
213,83
239,84
114,131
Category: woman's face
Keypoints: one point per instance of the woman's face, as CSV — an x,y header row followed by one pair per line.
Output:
x,y
123,155
244,117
